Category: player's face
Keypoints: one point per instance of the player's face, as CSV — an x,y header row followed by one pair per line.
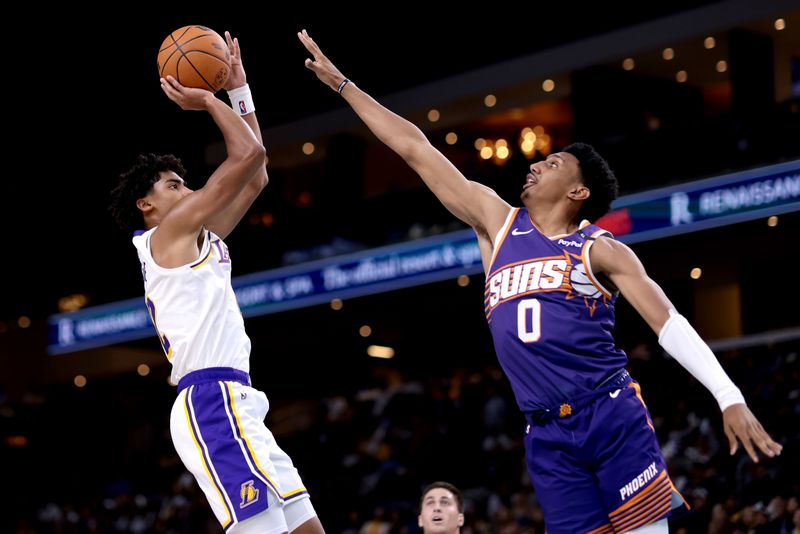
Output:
x,y
168,190
440,512
551,178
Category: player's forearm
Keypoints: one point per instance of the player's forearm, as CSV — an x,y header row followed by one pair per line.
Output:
x,y
246,154
411,144
260,179
684,344
242,102
393,130
240,141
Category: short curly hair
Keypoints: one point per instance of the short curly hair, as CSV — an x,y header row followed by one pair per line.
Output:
x,y
136,183
598,177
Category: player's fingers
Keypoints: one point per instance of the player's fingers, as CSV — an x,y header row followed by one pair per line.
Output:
x,y
169,91
174,84
228,39
304,40
756,433
731,435
766,444
172,88
747,443
311,44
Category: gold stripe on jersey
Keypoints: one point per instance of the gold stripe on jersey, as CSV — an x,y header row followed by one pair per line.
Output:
x,y
638,389
204,260
508,224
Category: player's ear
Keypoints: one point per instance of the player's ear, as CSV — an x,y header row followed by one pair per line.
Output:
x,y
579,192
460,520
419,520
144,205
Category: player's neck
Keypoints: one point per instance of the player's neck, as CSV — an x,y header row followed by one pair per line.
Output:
x,y
553,222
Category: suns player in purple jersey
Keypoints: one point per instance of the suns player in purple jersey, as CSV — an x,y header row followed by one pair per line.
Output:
x,y
217,420
552,279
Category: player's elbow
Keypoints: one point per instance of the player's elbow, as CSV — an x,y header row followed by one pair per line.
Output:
x,y
415,150
255,157
258,154
261,179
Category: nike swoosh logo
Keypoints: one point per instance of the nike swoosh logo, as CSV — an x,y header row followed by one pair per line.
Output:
x,y
517,232
614,394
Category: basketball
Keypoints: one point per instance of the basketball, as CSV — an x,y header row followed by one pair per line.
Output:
x,y
196,56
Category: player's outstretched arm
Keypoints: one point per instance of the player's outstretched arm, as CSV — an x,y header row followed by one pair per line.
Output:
x,y
473,203
619,263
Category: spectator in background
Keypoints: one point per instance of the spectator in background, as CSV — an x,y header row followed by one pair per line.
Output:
x,y
441,509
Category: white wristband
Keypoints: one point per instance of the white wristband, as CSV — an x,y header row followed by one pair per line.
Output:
x,y
684,344
242,100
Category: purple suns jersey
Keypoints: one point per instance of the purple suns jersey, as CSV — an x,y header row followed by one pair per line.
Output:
x,y
551,320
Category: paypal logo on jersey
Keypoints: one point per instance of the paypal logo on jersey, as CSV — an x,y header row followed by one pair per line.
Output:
x,y
569,243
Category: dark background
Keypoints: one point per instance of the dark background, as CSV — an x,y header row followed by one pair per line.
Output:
x,y
85,100
89,101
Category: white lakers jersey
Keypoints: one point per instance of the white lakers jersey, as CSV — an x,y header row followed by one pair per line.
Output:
x,y
194,309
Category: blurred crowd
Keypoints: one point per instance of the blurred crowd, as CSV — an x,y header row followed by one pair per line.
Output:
x,y
366,453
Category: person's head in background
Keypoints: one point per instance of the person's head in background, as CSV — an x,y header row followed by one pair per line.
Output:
x,y
441,509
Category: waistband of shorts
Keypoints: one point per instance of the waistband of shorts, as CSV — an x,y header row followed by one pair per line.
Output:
x,y
618,379
213,374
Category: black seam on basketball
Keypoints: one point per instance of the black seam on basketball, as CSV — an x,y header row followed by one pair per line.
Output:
x,y
184,33
207,53
210,87
179,48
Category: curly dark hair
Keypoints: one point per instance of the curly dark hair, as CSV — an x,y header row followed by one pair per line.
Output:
x,y
598,178
136,183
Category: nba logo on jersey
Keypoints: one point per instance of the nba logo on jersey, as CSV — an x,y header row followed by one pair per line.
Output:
x,y
248,493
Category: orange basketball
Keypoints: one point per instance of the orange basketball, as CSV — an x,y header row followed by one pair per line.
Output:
x,y
196,56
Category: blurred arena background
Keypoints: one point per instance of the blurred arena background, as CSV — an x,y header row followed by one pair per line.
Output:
x,y
381,384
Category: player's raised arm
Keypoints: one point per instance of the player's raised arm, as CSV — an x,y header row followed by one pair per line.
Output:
x,y
174,242
225,220
473,203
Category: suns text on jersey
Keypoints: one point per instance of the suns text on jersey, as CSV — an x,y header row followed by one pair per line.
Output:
x,y
543,274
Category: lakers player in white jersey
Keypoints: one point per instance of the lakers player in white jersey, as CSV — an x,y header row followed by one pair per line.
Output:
x,y
217,421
